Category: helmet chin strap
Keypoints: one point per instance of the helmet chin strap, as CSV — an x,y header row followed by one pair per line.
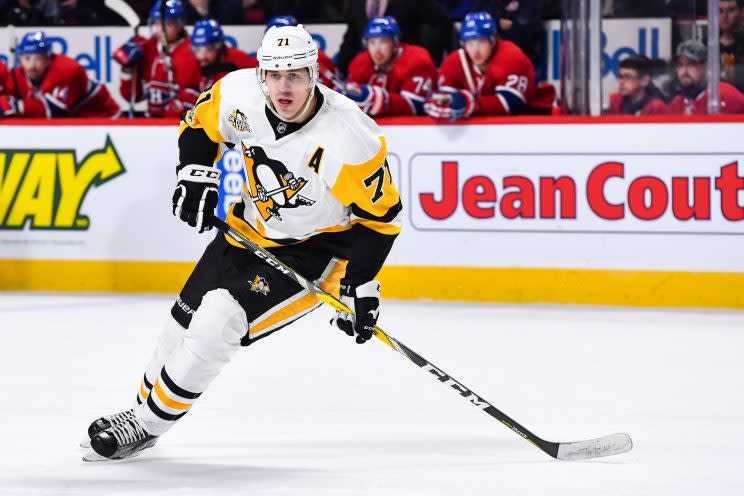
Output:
x,y
301,114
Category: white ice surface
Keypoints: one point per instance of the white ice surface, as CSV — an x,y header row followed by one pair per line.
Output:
x,y
307,411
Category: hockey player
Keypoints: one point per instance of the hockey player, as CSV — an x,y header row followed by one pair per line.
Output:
x,y
487,76
168,80
216,59
390,78
637,94
4,79
692,69
319,196
52,85
328,72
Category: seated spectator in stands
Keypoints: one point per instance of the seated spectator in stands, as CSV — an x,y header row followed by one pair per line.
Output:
x,y
29,12
328,74
732,42
519,21
52,85
216,59
168,81
315,11
422,22
488,76
222,11
637,94
692,68
390,77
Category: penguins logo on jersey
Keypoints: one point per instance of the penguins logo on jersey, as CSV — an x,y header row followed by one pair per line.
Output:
x,y
239,121
259,285
271,186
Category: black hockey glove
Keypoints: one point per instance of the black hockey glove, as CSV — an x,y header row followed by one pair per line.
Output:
x,y
196,195
364,300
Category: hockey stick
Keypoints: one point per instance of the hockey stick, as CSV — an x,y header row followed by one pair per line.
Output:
x,y
132,19
12,46
166,51
581,450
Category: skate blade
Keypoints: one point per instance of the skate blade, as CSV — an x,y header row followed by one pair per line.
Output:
x,y
85,443
93,457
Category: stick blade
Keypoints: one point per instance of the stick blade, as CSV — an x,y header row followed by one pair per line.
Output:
x,y
614,444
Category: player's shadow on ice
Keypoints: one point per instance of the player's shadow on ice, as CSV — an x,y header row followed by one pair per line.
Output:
x,y
152,474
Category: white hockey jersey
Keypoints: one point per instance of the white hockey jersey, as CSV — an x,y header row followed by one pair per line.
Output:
x,y
324,175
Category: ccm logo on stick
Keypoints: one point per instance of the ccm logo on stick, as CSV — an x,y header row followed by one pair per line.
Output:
x,y
465,392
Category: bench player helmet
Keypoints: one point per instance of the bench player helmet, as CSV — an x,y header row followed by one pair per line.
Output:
x,y
478,25
174,11
382,27
285,48
32,43
279,21
206,33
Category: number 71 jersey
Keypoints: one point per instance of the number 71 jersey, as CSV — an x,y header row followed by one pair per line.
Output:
x,y
325,175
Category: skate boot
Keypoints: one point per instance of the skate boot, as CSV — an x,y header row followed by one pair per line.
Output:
x,y
104,423
123,440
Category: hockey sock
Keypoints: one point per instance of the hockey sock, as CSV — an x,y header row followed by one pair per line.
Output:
x,y
207,346
169,338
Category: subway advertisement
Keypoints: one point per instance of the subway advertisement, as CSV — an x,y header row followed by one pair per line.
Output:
x,y
560,212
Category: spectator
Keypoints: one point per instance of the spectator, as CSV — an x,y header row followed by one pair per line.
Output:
x,y
422,22
216,59
692,68
637,94
315,11
519,22
732,42
390,77
328,74
29,12
168,81
52,85
222,11
488,76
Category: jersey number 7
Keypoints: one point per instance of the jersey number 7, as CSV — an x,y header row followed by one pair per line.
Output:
x,y
378,177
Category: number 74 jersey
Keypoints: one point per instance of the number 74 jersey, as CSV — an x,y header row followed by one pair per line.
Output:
x,y
325,175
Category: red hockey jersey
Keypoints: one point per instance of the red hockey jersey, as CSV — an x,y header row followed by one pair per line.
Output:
x,y
328,71
619,105
64,91
153,82
732,102
505,87
408,82
232,60
4,79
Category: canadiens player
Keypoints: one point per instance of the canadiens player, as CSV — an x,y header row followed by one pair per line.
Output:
x,y
319,195
389,78
168,80
692,69
328,73
216,59
51,85
487,76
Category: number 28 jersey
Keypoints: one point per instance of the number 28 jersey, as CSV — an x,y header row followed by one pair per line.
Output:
x,y
502,89
323,176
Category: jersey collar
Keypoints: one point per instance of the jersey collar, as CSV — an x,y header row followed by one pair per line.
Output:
x,y
283,128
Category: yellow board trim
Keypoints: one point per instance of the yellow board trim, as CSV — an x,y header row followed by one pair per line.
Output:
x,y
505,285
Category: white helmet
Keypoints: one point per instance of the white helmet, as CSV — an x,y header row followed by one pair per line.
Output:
x,y
287,47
